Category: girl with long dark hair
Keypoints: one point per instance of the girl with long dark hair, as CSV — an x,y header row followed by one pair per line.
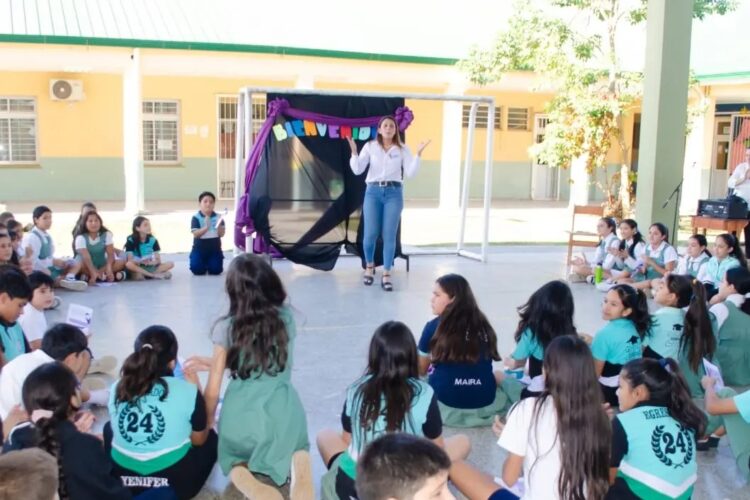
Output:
x,y
628,256
389,160
546,315
95,250
51,398
560,440
158,433
654,438
255,342
142,249
389,397
732,315
727,255
620,340
456,351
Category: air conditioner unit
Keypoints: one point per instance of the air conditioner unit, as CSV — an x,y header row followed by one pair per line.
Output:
x,y
66,90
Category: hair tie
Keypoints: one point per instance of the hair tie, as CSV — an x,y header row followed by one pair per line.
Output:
x,y
695,281
665,364
37,415
147,346
747,295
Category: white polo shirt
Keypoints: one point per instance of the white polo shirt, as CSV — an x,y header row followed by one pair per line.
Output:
x,y
14,374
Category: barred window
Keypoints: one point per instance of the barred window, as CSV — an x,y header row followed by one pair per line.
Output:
x,y
518,118
161,127
18,143
482,112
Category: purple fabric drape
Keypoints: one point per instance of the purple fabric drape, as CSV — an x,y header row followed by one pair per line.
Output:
x,y
243,221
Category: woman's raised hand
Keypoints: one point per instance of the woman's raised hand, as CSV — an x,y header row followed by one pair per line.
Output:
x,y
352,145
423,145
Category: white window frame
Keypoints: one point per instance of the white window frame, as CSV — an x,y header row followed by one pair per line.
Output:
x,y
482,112
511,110
10,115
164,117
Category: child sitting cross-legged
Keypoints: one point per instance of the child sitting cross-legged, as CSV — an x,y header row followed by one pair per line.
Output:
x,y
143,250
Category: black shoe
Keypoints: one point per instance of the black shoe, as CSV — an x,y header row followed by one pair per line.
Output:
x,y
711,442
368,279
386,285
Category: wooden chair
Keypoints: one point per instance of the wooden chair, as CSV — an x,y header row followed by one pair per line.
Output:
x,y
578,238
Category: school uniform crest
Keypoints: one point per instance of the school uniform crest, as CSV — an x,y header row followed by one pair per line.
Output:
x,y
667,446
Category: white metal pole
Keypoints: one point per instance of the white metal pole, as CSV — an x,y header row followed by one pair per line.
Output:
x,y
467,175
238,159
488,180
247,97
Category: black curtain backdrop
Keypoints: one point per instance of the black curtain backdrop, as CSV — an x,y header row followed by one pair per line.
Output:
x,y
305,200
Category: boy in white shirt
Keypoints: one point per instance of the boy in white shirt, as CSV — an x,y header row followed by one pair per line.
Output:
x,y
32,321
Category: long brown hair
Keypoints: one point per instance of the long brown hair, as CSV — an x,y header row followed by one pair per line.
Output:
x,y
396,136
390,387
464,334
258,338
583,428
697,340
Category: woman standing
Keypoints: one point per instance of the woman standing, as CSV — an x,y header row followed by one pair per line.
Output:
x,y
389,160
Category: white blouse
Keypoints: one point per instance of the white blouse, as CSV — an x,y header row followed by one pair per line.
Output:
x,y
390,165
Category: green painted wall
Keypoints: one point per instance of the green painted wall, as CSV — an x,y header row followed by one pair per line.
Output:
x,y
76,179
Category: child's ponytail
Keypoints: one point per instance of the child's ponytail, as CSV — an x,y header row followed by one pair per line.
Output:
x,y
732,241
697,340
637,302
47,394
155,347
666,387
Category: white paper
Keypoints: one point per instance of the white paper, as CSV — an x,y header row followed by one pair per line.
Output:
x,y
81,317
713,371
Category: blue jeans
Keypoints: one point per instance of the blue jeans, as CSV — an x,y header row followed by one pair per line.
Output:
x,y
382,212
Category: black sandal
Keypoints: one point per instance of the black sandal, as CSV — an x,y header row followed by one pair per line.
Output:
x,y
386,285
368,279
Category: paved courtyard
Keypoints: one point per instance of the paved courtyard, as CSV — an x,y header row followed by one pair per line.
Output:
x,y
337,315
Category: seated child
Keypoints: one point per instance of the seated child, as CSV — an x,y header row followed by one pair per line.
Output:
x,y
456,351
696,258
96,252
388,398
15,292
51,397
562,456
39,248
143,250
158,433
654,438
32,321
21,257
658,259
582,267
206,255
7,255
734,410
731,313
399,466
255,342
64,343
626,311
547,314
727,255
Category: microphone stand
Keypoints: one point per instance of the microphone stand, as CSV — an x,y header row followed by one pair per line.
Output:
x,y
677,191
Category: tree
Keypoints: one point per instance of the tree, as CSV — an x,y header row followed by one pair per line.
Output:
x,y
573,45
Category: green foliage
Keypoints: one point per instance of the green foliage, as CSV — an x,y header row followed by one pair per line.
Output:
x,y
579,60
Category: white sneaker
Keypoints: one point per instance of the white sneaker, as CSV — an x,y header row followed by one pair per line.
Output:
x,y
604,286
73,284
590,279
99,397
576,278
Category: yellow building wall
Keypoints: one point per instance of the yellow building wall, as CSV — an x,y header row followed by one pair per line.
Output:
x,y
91,127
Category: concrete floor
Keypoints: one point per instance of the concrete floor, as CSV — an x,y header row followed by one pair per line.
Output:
x,y
337,315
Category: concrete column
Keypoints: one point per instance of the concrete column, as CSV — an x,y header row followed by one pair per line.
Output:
x,y
694,154
450,156
132,103
662,145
